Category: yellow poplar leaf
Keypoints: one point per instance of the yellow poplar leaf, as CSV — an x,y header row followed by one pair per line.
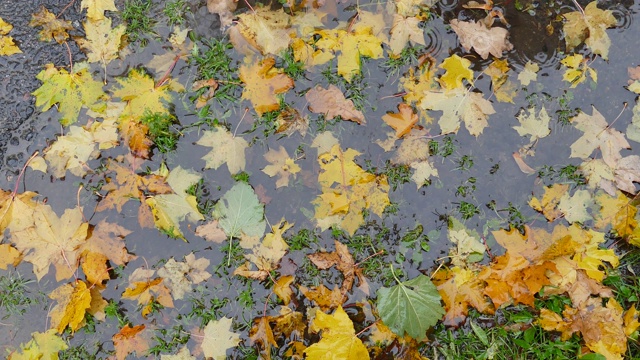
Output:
x,y
52,27
331,102
589,27
281,165
96,8
227,148
483,40
457,69
101,42
339,340
402,121
218,338
550,200
459,105
51,240
262,83
405,29
73,303
282,288
71,91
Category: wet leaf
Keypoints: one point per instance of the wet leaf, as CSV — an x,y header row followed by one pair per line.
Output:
x,y
550,200
459,106
239,211
339,340
483,40
102,43
71,91
347,190
265,255
344,262
402,121
73,301
52,27
131,339
262,83
218,338
529,73
146,289
405,29
535,126
598,135
142,96
180,277
281,165
460,288
577,70
266,30
170,209
589,27
410,307
43,345
332,103
262,335
575,207
105,245
227,148
7,46
96,8
457,69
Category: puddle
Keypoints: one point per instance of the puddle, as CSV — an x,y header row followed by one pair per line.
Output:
x,y
493,184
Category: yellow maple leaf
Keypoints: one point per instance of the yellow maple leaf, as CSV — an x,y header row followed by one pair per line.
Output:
x,y
218,338
145,290
461,288
457,69
598,134
347,190
550,200
43,345
589,26
7,46
339,340
402,121
47,239
142,96
619,212
9,255
101,42
351,46
226,148
96,8
73,303
266,30
459,105
265,255
105,244
280,164
72,91
52,27
577,70
262,83
131,339
405,29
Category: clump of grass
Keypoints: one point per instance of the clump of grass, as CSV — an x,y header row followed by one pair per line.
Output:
x,y
291,67
15,295
160,132
169,340
302,240
175,11
136,15
214,62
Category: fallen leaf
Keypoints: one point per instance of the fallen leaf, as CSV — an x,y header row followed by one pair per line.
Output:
x,y
332,103
211,231
265,255
43,345
575,207
410,307
550,200
460,288
52,27
7,46
402,121
598,134
218,338
325,298
262,83
535,126
339,340
459,105
224,8
457,69
131,339
96,8
529,73
9,255
101,43
483,40
266,30
405,29
281,165
142,96
239,211
144,289
344,262
577,70
262,335
227,148
282,288
105,245
589,25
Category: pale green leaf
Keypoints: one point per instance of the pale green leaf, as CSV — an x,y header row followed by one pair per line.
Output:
x,y
240,211
412,307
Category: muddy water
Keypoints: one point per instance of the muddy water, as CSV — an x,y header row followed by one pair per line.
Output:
x,y
494,175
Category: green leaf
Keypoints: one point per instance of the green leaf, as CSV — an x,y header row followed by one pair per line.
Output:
x,y
240,211
412,307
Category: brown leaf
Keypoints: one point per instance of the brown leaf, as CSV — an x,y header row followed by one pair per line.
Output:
x,y
343,261
262,335
484,41
211,232
331,102
402,121
325,298
52,27
131,339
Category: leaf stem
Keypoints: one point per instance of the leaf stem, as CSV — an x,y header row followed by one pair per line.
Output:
x,y
394,274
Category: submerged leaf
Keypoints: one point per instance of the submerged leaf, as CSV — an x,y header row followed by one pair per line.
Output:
x,y
239,211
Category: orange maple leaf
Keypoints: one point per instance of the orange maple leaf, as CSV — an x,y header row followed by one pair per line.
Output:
x,y
262,83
